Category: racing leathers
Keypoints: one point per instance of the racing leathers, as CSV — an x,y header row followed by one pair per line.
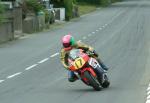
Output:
x,y
78,45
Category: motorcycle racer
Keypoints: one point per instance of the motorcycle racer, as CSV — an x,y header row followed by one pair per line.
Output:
x,y
69,43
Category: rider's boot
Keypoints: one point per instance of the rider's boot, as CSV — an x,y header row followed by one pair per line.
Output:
x,y
105,68
101,72
102,65
72,77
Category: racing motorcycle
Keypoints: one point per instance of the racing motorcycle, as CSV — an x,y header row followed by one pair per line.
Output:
x,y
86,68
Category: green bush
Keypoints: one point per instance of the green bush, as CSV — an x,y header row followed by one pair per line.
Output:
x,y
47,16
105,2
57,3
74,1
95,2
34,5
2,9
68,4
115,1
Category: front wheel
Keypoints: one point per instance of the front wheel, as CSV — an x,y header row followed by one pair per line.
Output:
x,y
92,81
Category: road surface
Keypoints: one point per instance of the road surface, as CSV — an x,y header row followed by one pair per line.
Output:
x,y
31,72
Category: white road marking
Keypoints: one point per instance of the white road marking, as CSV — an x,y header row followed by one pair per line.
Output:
x,y
89,34
103,26
44,60
84,37
106,24
2,81
79,40
148,101
54,55
11,76
100,28
93,32
97,30
148,97
148,89
32,66
148,93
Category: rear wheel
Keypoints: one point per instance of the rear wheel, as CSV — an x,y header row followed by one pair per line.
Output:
x,y
106,82
92,81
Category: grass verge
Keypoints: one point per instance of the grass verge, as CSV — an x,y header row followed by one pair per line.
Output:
x,y
86,8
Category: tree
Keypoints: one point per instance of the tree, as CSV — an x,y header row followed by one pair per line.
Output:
x,y
58,3
67,4
97,2
34,5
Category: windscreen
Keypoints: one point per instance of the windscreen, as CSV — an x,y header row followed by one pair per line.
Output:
x,y
74,54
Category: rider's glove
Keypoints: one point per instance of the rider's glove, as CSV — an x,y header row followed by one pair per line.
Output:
x,y
95,53
91,49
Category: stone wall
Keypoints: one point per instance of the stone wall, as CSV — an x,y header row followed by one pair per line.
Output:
x,y
6,31
30,24
33,23
17,12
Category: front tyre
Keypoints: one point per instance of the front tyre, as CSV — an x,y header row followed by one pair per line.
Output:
x,y
92,81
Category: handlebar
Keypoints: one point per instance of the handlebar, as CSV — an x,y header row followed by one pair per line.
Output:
x,y
89,53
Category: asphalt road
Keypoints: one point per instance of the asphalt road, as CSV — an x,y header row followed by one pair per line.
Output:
x,y
31,72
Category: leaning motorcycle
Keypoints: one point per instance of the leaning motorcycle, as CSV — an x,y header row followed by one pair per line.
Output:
x,y
87,69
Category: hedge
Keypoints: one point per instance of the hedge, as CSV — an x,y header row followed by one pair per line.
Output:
x,y
2,9
67,4
105,2
58,3
34,5
97,2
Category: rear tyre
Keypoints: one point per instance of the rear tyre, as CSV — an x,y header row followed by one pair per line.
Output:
x,y
92,81
106,82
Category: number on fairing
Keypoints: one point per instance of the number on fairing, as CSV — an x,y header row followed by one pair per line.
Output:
x,y
79,63
93,63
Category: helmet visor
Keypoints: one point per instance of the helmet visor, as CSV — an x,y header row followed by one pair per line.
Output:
x,y
66,45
